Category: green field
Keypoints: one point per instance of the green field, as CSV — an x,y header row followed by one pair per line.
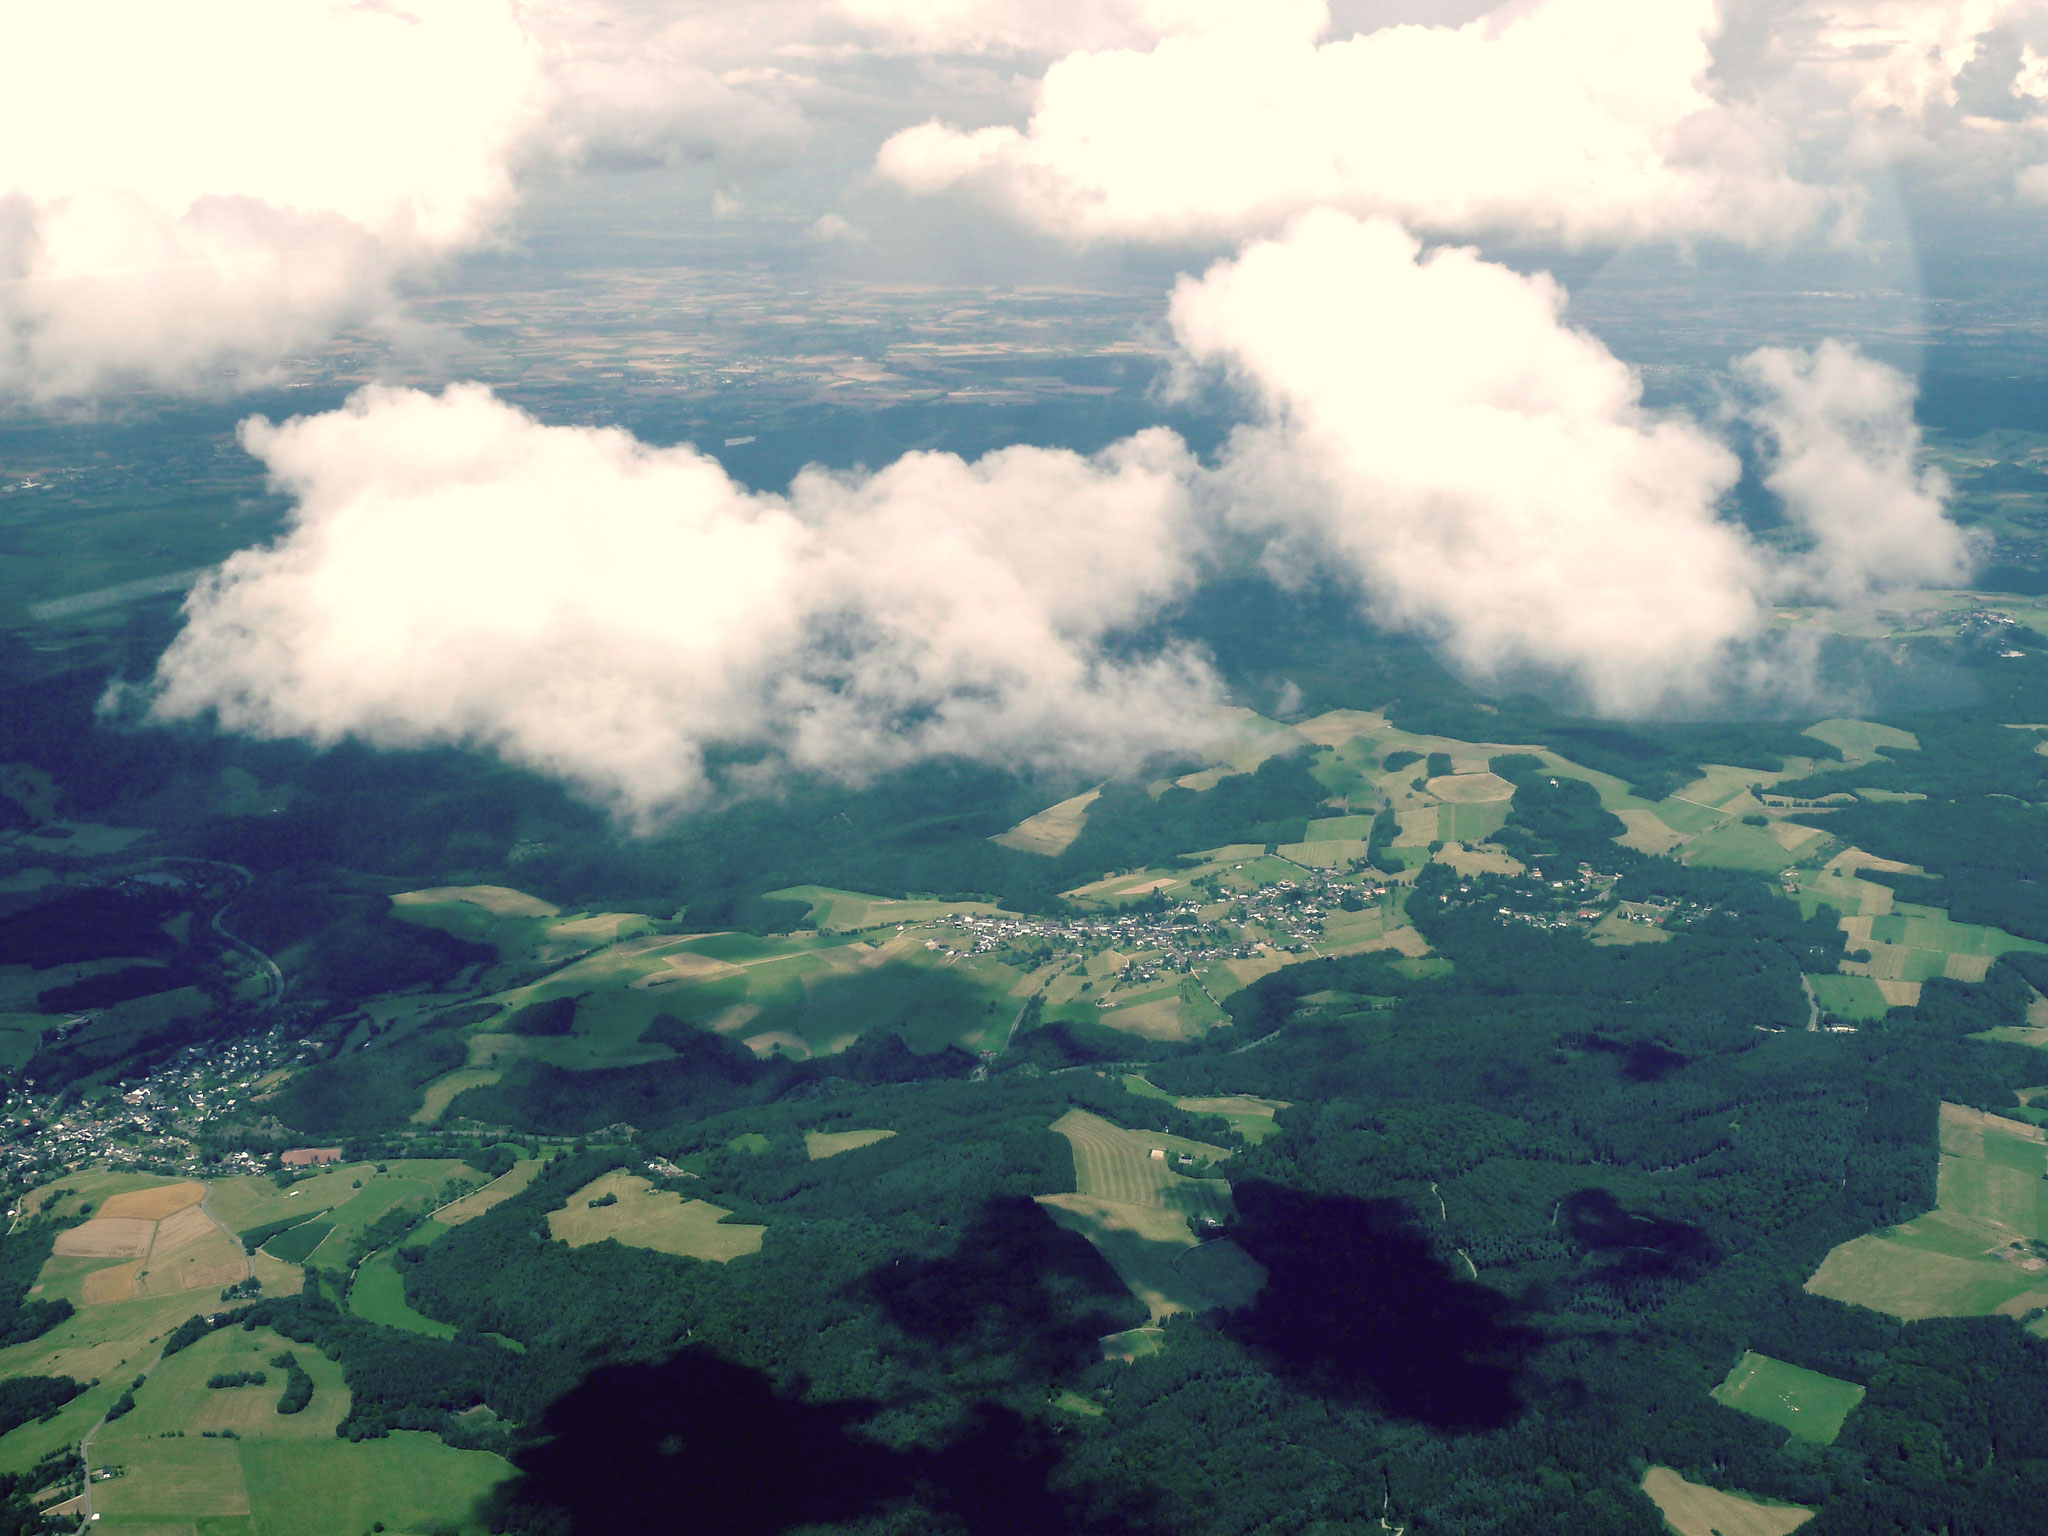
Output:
x,y
177,1398
837,911
641,1216
823,1144
1855,998
377,1294
406,1482
1111,1163
1736,845
1982,1250
1807,1403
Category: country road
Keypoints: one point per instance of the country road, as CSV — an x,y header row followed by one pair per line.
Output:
x,y
273,978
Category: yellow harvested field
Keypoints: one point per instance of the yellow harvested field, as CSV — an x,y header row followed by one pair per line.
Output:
x,y
823,1144
106,1237
1418,827
1694,1509
642,1216
498,900
1161,1019
1340,725
1052,831
154,1204
116,1283
1478,859
1471,788
1647,832
1899,994
1112,1163
1792,837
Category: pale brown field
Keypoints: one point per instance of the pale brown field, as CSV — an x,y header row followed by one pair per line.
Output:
x,y
1471,788
116,1283
106,1237
154,1204
1693,1509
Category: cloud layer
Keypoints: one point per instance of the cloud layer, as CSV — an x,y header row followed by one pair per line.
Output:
x,y
1424,426
610,613
1428,426
1569,121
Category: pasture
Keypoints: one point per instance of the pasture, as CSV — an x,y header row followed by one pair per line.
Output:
x,y
272,1486
176,1397
1855,998
641,1216
823,1144
1694,1509
1979,1252
1137,1211
1052,831
836,911
497,1192
377,1294
1112,1163
1140,1242
1806,1403
1251,1118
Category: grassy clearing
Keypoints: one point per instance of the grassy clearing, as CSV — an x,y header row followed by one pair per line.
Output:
x,y
1052,831
1223,1272
836,911
495,1193
1736,845
1855,998
377,1294
641,1216
1860,740
1141,1244
176,1396
823,1144
273,1487
1111,1163
1807,1403
1251,1118
1694,1509
1979,1252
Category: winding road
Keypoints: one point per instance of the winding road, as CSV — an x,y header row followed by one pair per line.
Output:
x,y
273,978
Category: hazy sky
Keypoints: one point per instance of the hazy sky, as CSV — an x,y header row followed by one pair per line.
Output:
x,y
1357,215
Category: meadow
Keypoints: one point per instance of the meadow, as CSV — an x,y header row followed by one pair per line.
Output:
x,y
641,1216
823,1144
1808,1404
1982,1250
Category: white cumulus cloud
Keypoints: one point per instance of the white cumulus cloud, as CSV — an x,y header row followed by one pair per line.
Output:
x,y
1567,120
1429,427
1844,459
610,613
190,189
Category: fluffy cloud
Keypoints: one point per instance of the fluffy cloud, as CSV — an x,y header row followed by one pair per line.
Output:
x,y
608,613
187,190
1569,120
1430,427
1843,458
